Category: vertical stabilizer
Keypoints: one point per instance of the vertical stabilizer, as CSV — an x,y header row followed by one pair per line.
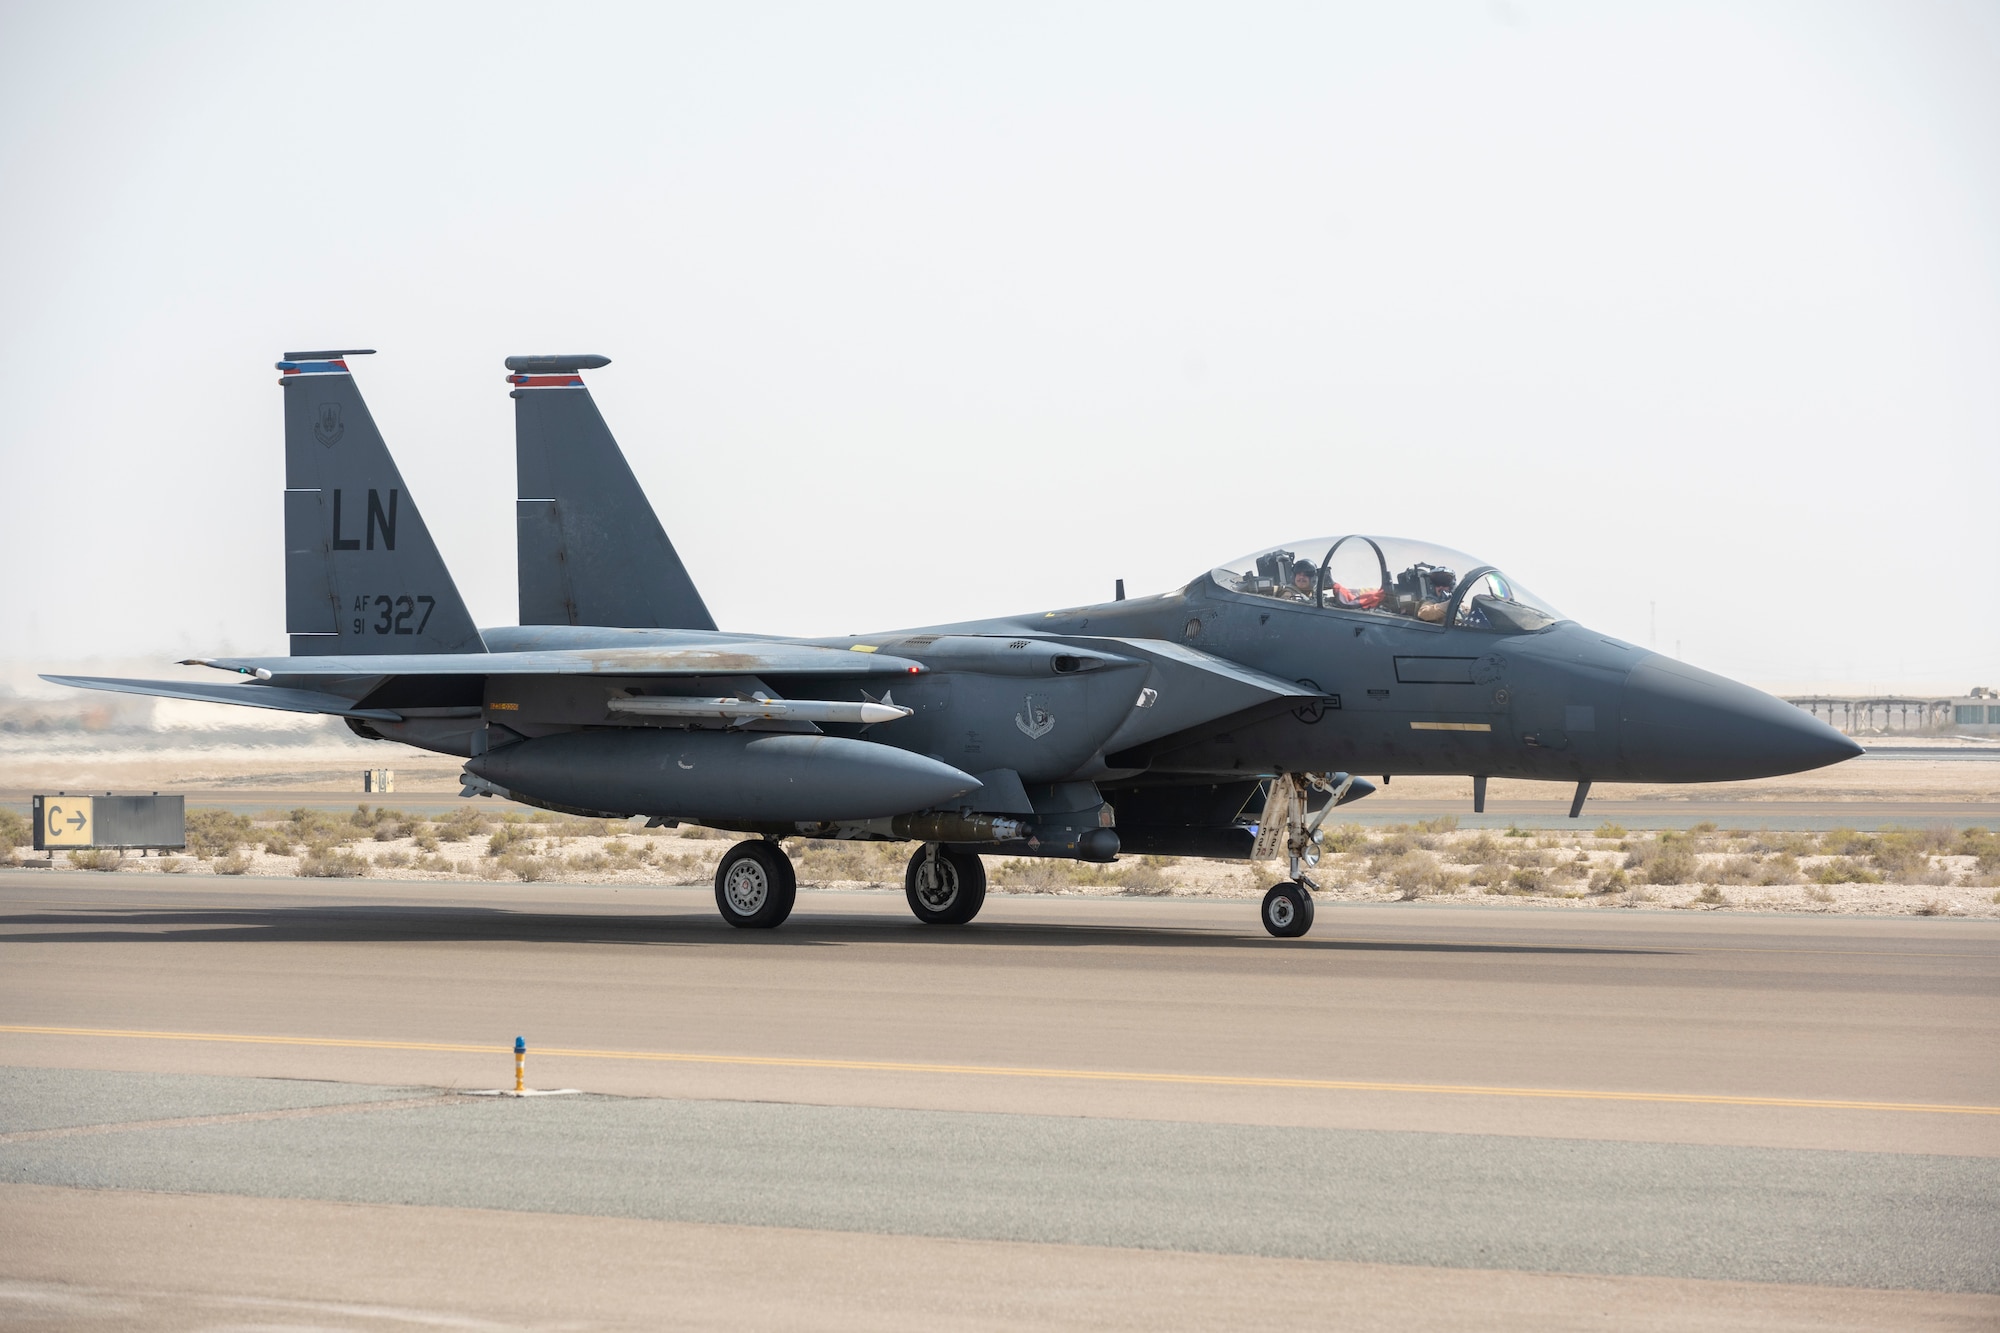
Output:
x,y
591,550
361,572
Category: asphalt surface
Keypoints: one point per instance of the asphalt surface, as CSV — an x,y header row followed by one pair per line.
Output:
x,y
1695,1098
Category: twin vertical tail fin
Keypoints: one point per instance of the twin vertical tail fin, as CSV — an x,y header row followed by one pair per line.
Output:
x,y
362,574
591,550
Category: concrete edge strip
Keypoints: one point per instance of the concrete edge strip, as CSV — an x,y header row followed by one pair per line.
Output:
x,y
1017,1071
225,1118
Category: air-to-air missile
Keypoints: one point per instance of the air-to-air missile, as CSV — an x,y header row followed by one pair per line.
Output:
x,y
1224,718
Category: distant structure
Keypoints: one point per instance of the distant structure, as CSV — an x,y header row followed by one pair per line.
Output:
x,y
1974,714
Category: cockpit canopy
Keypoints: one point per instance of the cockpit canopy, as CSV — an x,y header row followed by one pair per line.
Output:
x,y
1390,576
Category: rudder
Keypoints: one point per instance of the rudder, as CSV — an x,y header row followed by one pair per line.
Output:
x,y
591,550
362,574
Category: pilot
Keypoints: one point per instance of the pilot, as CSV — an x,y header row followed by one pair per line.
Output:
x,y
1302,582
1442,582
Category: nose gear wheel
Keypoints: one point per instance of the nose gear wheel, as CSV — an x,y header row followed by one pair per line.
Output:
x,y
1289,823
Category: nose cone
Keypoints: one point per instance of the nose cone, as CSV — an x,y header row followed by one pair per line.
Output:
x,y
1683,724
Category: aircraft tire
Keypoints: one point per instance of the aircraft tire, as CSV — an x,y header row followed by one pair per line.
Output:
x,y
755,885
1288,910
953,901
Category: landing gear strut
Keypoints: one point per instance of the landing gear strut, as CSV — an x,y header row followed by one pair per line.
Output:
x,y
755,885
945,888
1288,907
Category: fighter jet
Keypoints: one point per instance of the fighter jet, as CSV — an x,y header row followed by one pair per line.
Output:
x,y
1224,718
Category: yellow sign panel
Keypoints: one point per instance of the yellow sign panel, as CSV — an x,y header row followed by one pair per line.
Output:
x,y
68,821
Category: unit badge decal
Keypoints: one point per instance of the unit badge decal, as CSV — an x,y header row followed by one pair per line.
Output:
x,y
327,425
1037,722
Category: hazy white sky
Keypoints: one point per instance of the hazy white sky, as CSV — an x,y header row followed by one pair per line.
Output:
x,y
928,312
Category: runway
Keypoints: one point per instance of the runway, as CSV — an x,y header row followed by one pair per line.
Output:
x,y
1420,1109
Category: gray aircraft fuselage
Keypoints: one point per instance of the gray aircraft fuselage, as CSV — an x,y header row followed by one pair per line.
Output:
x,y
1388,695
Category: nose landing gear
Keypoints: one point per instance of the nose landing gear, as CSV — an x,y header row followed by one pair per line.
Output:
x,y
1288,907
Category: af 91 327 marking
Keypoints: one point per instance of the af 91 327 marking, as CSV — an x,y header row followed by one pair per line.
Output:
x,y
390,613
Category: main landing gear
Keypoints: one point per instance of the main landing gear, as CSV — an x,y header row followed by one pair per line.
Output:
x,y
1287,823
945,888
755,885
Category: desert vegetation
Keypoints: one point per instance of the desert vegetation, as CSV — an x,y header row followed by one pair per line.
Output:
x,y
1927,871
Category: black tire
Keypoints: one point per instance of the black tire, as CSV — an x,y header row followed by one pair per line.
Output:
x,y
1288,911
755,885
956,894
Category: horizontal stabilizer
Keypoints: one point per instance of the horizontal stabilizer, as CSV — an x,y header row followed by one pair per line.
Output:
x,y
281,698
722,657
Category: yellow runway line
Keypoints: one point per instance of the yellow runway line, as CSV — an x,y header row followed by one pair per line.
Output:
x,y
1017,1071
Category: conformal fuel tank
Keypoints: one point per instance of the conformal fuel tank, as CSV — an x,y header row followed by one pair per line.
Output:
x,y
718,776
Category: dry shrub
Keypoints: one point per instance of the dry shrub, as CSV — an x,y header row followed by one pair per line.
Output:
x,y
1781,868
1144,876
1046,875
173,865
393,860
1609,881
278,845
1739,870
1784,844
1819,893
1479,849
1982,843
509,838
236,863
529,869
1932,907
834,861
1346,838
1667,859
462,823
212,833
1610,832
14,830
331,863
1843,870
1712,896
1416,874
1396,840
427,841
107,859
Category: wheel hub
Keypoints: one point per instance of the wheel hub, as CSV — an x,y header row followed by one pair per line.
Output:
x,y
937,886
1282,912
746,887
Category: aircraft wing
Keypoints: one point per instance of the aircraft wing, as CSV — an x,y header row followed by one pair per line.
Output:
x,y
727,657
254,696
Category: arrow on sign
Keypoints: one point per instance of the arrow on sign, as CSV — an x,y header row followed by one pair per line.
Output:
x,y
76,820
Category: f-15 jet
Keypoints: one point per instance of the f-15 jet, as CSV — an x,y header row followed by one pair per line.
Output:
x,y
1224,718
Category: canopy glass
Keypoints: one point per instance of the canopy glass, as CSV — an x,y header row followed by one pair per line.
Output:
x,y
1390,576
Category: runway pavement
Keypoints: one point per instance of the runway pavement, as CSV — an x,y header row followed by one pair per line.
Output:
x,y
1430,1114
